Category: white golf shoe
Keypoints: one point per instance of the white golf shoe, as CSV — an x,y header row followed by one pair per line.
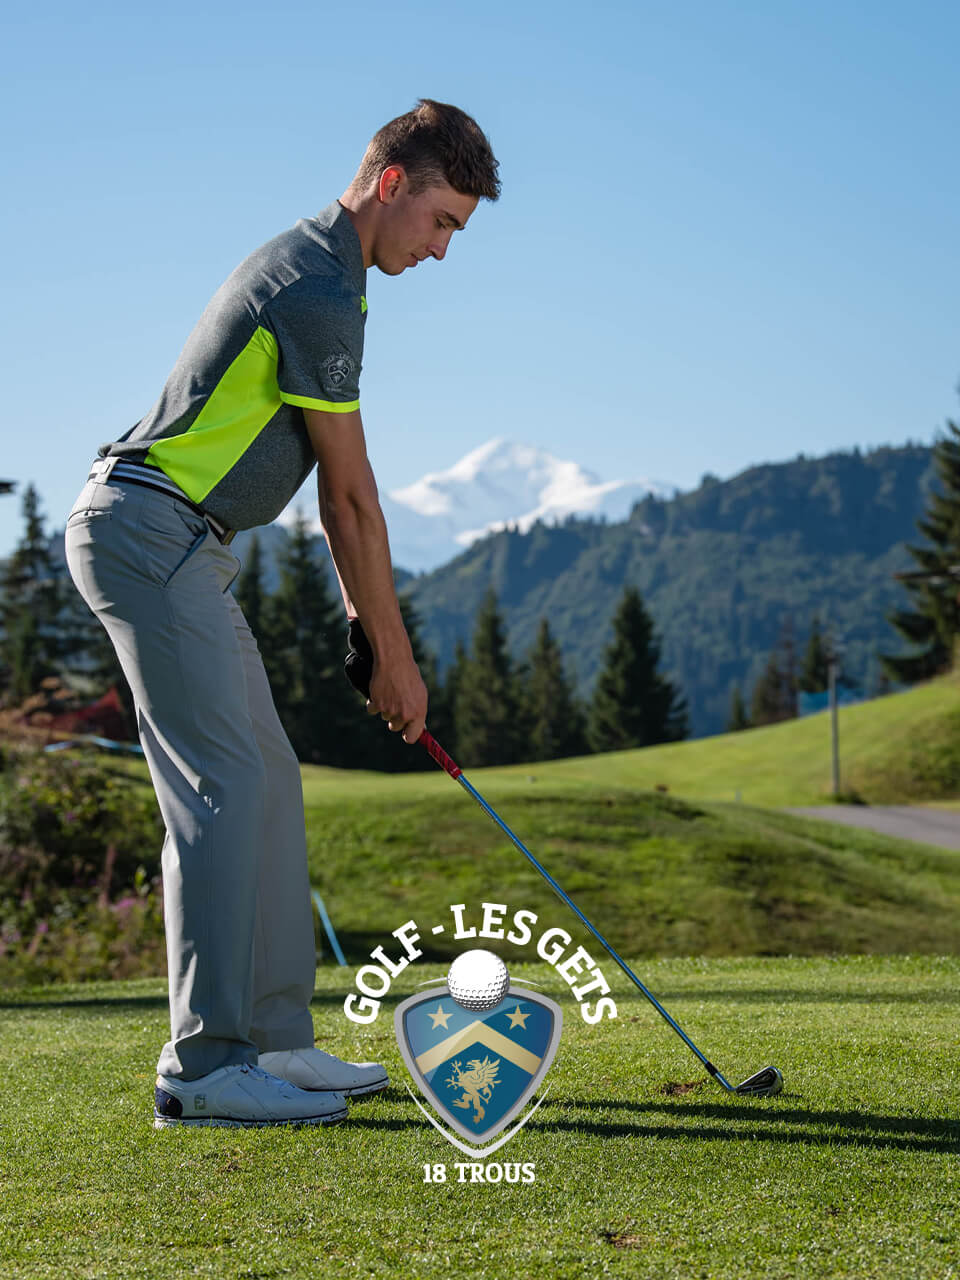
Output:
x,y
314,1070
244,1097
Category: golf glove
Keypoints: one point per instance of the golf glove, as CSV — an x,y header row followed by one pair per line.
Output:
x,y
358,664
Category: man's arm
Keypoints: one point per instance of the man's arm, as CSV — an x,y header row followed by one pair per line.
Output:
x,y
357,536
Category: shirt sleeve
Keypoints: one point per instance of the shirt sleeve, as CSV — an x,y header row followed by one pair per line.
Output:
x,y
319,333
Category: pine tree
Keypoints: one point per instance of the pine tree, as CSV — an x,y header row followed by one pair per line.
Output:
x,y
486,703
739,719
442,713
774,695
633,704
815,669
766,701
931,626
41,627
303,646
553,720
250,593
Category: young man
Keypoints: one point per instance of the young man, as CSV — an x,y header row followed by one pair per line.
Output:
x,y
266,386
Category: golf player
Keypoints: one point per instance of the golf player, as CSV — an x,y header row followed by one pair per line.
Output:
x,y
265,388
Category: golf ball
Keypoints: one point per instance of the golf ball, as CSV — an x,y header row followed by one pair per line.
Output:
x,y
478,980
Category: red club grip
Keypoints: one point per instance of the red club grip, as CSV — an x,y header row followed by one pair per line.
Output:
x,y
438,753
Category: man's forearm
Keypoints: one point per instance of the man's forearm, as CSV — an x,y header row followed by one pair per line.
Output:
x,y
349,607
356,534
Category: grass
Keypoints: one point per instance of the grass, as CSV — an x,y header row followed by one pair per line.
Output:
x,y
853,1171
657,875
644,1168
901,748
641,844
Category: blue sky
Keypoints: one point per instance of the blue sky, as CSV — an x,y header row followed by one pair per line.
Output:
x,y
727,231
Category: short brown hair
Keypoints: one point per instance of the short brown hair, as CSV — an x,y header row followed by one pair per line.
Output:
x,y
434,143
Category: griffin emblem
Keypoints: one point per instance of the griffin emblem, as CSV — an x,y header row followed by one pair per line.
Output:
x,y
477,1082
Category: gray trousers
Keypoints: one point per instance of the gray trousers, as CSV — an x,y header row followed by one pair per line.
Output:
x,y
236,893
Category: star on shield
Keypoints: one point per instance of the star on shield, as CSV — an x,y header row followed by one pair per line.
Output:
x,y
478,1070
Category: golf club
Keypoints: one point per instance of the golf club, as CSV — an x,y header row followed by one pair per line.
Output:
x,y
762,1084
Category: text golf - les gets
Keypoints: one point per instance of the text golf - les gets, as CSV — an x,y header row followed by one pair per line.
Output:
x,y
574,964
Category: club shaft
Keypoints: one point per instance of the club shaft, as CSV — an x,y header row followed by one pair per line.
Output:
x,y
456,773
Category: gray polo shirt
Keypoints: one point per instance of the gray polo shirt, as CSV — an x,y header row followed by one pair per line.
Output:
x,y
283,333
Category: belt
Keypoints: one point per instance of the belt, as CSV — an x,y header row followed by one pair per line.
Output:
x,y
107,470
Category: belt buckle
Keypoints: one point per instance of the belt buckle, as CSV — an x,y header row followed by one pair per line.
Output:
x,y
222,534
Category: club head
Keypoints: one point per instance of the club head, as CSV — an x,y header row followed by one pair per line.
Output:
x,y
763,1084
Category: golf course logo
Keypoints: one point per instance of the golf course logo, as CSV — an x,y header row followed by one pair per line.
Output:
x,y
478,1048
339,367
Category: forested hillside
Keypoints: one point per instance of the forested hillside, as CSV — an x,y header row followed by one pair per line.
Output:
x,y
725,571
722,569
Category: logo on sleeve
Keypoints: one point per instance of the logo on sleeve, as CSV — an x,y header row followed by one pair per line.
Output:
x,y
338,368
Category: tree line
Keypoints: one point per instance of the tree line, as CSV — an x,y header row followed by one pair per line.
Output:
x,y
928,628
785,675
487,708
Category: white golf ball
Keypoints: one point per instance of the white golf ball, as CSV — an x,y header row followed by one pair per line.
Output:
x,y
478,980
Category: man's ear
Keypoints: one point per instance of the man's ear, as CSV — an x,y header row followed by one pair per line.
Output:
x,y
392,181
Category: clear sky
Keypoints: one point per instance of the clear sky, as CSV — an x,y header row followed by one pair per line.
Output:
x,y
728,230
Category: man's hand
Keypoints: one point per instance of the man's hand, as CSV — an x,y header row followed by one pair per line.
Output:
x,y
397,695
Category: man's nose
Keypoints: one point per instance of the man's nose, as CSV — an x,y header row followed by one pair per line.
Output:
x,y
438,247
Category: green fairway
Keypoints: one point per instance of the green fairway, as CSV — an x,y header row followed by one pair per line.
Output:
x,y
853,1171
901,748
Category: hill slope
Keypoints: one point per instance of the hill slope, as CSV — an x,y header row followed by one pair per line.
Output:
x,y
900,749
656,875
660,874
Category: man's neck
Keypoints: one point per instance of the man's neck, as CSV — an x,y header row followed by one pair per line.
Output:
x,y
361,211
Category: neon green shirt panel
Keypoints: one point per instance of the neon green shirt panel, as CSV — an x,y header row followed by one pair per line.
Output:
x,y
240,406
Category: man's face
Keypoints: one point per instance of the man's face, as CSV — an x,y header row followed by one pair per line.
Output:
x,y
412,228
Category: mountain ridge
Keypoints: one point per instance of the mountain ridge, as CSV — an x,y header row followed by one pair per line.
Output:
x,y
497,485
721,568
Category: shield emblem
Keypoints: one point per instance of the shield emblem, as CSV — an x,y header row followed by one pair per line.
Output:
x,y
478,1070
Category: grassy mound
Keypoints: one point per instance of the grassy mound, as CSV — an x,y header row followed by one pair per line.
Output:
x,y
657,875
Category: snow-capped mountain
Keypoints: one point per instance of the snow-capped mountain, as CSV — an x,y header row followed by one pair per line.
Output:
x,y
496,485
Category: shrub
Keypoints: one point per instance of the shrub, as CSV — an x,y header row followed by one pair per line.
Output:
x,y
79,872
73,824
82,942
